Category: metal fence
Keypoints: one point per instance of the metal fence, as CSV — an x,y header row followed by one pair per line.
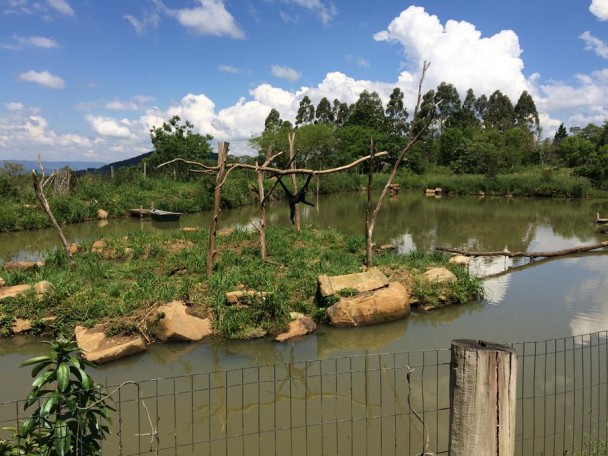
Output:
x,y
381,404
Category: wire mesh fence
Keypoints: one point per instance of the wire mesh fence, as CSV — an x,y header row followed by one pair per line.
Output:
x,y
381,404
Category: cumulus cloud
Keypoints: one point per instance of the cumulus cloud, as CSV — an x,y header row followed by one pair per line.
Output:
x,y
62,6
595,44
325,11
141,26
44,78
106,126
599,8
210,18
458,53
14,106
228,69
285,72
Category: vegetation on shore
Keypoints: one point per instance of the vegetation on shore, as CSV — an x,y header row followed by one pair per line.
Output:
x,y
135,274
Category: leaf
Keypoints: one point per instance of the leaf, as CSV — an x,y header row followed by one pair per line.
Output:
x,y
35,360
49,404
36,370
62,442
43,379
63,377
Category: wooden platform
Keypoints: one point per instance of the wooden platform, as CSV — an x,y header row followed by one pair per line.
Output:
x,y
164,216
600,220
140,212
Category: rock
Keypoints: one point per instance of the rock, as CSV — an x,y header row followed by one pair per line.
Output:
x,y
295,315
101,214
178,324
99,246
22,265
299,327
97,348
244,296
73,248
439,275
43,288
2,282
21,325
361,281
379,306
14,291
429,192
190,229
226,231
460,260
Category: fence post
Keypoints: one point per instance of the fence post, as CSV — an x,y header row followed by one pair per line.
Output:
x,y
483,381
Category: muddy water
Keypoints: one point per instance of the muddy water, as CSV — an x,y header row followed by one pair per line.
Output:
x,y
540,301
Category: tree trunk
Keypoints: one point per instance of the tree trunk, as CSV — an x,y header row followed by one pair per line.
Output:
x,y
532,255
294,182
39,190
369,228
483,383
222,155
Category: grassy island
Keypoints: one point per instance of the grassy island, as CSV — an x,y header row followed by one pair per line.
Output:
x,y
125,279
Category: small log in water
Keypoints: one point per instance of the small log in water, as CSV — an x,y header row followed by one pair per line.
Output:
x,y
579,249
483,380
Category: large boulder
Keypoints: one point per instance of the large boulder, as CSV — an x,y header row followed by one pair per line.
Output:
x,y
99,246
14,291
300,326
378,306
460,260
178,324
22,265
101,214
362,282
43,288
97,348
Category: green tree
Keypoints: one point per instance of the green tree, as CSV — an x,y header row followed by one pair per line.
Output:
x,y
500,114
560,135
526,115
467,118
575,151
324,113
273,120
316,143
448,105
340,112
396,113
367,111
306,112
481,108
178,140
451,143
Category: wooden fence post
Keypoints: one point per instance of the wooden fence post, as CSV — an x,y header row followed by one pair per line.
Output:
x,y
483,381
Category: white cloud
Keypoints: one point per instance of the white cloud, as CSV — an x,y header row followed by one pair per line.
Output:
x,y
14,106
141,26
108,127
211,18
228,69
599,8
595,44
458,53
285,72
61,6
44,78
325,11
21,42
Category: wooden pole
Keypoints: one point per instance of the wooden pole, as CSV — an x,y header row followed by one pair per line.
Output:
x,y
368,211
294,182
222,155
145,169
112,172
483,381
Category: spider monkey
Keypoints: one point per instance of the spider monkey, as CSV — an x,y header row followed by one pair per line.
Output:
x,y
298,197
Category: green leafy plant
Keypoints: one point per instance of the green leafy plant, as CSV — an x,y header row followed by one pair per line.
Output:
x,y
72,413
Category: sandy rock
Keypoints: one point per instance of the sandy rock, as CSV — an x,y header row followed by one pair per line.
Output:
x,y
14,291
97,348
101,214
21,325
190,229
298,327
99,246
2,282
73,249
178,324
22,265
244,296
295,315
439,275
361,281
379,306
226,231
43,288
460,260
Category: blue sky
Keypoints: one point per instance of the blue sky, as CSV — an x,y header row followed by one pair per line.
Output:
x,y
87,79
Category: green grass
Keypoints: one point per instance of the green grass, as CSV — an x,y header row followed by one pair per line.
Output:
x,y
146,269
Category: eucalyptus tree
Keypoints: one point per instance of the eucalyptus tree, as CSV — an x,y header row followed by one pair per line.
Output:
x,y
367,111
324,112
481,108
560,134
467,118
526,115
448,104
501,114
306,112
273,120
396,114
340,112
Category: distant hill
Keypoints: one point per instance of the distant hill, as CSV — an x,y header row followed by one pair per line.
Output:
x,y
134,161
50,166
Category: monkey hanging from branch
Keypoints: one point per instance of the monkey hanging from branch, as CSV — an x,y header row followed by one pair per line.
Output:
x,y
298,197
